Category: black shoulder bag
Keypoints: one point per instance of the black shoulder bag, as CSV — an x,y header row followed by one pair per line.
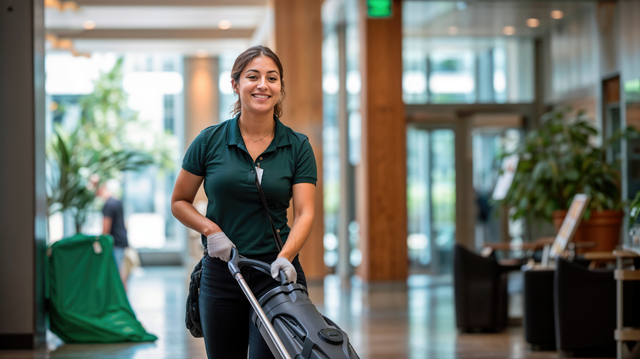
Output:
x,y
192,317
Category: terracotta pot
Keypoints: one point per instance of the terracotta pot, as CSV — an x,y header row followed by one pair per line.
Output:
x,y
603,229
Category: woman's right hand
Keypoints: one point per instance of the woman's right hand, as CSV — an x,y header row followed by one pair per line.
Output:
x,y
219,246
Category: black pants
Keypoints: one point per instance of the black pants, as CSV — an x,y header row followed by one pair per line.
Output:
x,y
225,312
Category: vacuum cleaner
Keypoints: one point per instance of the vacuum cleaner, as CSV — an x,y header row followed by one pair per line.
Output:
x,y
287,319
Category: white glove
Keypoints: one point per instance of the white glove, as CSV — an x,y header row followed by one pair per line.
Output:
x,y
219,246
283,263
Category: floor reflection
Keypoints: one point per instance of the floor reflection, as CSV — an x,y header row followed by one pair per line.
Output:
x,y
413,321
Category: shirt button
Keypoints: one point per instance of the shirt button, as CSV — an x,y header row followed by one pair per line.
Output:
x,y
260,158
251,171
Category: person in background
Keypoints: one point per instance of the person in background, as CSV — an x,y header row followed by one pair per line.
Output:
x,y
113,224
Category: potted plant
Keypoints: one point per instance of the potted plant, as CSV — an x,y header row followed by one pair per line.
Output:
x,y
71,163
98,145
559,160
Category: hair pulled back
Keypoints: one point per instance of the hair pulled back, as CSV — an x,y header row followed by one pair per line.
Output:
x,y
243,60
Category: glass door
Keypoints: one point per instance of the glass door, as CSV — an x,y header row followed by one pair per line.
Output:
x,y
488,144
431,199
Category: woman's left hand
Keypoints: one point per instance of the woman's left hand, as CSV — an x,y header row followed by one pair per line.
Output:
x,y
283,264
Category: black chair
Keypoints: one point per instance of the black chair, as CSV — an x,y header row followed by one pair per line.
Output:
x,y
480,291
538,315
585,310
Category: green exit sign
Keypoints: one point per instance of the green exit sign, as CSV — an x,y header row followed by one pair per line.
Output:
x,y
380,8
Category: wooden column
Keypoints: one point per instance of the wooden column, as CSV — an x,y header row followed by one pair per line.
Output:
x,y
201,96
201,110
382,176
298,30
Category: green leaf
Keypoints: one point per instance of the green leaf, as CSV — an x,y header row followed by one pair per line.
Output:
x,y
539,171
554,168
587,163
572,174
569,190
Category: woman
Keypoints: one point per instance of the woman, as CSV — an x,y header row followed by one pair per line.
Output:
x,y
227,157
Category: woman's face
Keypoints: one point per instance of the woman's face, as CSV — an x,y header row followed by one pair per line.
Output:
x,y
259,85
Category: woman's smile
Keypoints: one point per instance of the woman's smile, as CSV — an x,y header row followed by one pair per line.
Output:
x,y
260,97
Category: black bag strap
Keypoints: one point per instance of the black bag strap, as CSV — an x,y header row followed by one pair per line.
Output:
x,y
276,234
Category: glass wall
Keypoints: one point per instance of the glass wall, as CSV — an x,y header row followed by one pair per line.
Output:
x,y
227,97
456,69
331,143
341,100
467,70
488,144
152,110
431,195
353,86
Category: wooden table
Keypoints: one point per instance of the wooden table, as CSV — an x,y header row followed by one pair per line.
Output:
x,y
533,246
624,334
599,258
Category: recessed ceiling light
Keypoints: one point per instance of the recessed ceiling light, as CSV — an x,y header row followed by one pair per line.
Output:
x,y
89,24
453,30
533,22
202,53
509,30
64,44
557,14
224,24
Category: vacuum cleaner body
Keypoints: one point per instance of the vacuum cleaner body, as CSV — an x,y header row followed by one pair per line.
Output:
x,y
300,327
289,322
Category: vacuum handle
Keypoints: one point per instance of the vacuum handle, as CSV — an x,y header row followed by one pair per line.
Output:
x,y
237,262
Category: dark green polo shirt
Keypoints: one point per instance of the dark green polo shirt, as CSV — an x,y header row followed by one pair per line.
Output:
x,y
220,156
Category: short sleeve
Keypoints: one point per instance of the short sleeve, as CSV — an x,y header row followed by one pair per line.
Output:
x,y
108,210
306,169
194,160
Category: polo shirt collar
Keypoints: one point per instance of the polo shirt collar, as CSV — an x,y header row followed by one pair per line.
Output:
x,y
234,136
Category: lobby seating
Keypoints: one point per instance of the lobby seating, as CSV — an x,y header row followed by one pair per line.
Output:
x,y
585,309
480,287
538,313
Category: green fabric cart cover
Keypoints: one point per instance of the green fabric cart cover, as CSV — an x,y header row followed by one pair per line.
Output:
x,y
88,301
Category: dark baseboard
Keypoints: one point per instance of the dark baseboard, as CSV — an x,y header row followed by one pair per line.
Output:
x,y
16,341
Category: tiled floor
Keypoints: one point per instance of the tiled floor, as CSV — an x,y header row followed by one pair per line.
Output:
x,y
415,322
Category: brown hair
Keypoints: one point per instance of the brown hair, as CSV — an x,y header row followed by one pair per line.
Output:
x,y
243,60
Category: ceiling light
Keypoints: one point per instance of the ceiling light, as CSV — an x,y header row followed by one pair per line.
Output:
x,y
509,30
53,39
533,22
89,25
224,24
453,30
64,44
202,53
61,5
51,3
70,5
557,14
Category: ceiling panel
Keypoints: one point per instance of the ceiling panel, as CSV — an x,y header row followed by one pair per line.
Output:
x,y
155,17
142,34
483,18
187,47
173,3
